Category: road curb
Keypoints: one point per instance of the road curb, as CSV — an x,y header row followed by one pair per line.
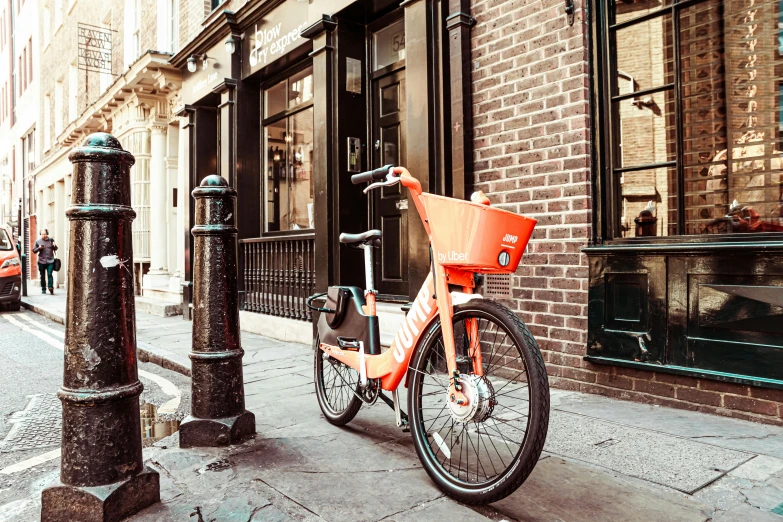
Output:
x,y
145,351
52,316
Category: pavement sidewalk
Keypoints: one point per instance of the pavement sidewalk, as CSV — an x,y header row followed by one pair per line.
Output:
x,y
604,460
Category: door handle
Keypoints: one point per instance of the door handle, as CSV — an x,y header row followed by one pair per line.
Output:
x,y
377,144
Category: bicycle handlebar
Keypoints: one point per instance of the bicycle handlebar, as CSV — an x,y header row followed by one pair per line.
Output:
x,y
371,175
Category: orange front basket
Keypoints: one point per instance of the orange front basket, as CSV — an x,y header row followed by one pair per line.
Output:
x,y
476,237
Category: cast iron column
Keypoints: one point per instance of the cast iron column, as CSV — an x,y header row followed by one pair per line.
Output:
x,y
218,416
102,475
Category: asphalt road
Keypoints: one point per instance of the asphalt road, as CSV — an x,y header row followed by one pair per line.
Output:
x,y
31,361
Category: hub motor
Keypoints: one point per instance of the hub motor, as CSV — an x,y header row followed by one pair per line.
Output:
x,y
479,392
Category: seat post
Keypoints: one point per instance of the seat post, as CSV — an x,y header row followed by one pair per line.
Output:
x,y
368,276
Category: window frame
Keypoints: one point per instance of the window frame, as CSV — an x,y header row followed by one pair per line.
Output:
x,y
274,118
605,132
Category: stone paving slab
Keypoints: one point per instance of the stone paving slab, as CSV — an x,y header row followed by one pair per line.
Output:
x,y
559,490
675,462
708,429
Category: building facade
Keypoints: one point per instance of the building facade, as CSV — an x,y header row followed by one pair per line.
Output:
x,y
273,97
645,140
107,69
651,275
19,80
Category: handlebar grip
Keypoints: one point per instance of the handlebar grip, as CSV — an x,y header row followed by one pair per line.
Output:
x,y
371,175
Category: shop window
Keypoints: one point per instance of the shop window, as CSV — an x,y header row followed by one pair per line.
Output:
x,y
693,122
288,146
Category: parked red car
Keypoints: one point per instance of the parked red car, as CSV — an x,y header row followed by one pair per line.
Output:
x,y
10,272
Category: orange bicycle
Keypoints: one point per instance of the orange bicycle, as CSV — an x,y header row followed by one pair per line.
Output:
x,y
478,395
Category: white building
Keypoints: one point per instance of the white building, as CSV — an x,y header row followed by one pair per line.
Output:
x,y
19,98
127,93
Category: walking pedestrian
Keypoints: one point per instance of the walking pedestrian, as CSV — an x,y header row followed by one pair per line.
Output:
x,y
45,247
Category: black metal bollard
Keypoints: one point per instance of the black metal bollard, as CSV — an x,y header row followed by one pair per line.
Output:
x,y
102,474
218,416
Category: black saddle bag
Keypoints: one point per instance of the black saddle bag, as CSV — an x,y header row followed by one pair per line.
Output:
x,y
346,324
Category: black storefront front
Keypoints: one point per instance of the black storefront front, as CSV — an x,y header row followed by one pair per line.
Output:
x,y
685,269
314,92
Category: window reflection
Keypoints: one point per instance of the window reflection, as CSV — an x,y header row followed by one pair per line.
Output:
x,y
276,179
301,171
301,87
275,99
709,141
288,142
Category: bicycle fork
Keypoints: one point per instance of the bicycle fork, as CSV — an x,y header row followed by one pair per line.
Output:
x,y
446,311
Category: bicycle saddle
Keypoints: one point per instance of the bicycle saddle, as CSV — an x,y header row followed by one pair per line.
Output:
x,y
364,237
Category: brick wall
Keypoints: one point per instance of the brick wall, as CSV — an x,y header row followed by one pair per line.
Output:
x,y
532,156
192,15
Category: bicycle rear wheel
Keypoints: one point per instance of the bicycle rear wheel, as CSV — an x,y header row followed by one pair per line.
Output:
x,y
482,452
336,386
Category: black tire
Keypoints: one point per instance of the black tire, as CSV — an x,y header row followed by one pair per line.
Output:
x,y
498,429
14,307
335,384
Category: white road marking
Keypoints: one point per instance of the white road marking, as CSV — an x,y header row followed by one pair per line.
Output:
x,y
166,385
168,407
58,333
31,462
42,336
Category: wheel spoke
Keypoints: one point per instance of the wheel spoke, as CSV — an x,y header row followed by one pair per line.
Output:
x,y
479,452
339,383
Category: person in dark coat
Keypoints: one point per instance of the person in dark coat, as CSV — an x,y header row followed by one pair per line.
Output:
x,y
45,247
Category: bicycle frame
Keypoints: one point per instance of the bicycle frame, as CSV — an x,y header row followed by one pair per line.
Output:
x,y
433,300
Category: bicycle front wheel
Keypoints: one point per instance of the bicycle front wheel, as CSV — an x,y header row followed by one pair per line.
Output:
x,y
482,452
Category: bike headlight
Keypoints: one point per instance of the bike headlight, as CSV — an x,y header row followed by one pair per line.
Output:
x,y
10,262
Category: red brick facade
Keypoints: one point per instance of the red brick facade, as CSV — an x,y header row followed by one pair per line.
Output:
x,y
530,78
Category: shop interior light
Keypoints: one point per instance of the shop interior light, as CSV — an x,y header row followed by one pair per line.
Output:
x,y
192,64
231,45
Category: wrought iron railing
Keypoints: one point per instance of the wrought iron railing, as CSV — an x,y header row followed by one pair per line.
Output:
x,y
278,275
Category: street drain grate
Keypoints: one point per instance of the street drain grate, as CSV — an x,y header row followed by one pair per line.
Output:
x,y
37,426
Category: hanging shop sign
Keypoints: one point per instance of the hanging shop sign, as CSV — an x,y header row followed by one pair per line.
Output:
x,y
94,46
